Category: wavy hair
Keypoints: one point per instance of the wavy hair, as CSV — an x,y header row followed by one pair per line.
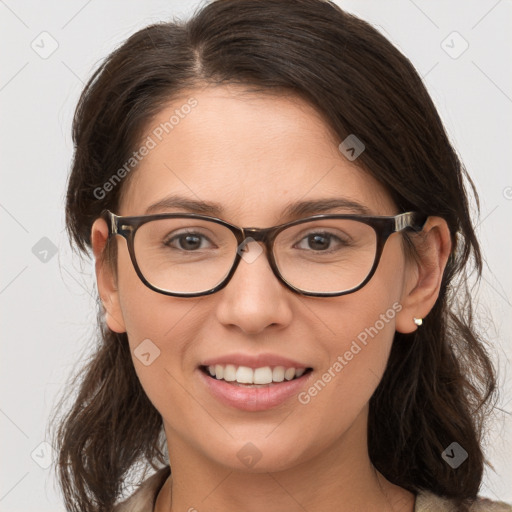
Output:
x,y
439,381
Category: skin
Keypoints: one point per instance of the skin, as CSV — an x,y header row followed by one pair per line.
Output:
x,y
255,154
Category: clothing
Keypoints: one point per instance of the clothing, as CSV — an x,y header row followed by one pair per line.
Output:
x,y
144,498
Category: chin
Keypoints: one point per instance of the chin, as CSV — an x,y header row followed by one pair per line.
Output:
x,y
259,453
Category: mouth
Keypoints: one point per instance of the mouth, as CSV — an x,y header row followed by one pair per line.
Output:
x,y
254,383
247,377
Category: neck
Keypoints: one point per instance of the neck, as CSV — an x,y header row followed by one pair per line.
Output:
x,y
339,478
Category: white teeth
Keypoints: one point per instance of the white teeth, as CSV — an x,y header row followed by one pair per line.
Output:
x,y
244,375
230,372
289,373
278,374
263,375
258,376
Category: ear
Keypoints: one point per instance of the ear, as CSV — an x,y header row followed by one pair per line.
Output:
x,y
424,274
107,286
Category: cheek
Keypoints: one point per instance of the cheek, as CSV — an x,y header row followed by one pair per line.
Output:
x,y
159,335
362,329
157,326
338,394
146,313
356,361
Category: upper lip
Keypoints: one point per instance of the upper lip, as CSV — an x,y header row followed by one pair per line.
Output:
x,y
254,361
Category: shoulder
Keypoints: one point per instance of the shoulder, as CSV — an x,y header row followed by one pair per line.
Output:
x,y
142,500
429,502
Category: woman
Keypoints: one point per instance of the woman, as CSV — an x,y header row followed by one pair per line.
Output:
x,y
311,360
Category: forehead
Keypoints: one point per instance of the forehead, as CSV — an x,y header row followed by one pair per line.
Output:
x,y
250,152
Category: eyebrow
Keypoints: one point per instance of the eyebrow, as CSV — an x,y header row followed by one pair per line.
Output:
x,y
293,210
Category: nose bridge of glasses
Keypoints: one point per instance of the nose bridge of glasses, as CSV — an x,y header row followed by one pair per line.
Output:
x,y
254,235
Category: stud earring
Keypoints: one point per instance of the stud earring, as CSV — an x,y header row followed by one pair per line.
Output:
x,y
418,321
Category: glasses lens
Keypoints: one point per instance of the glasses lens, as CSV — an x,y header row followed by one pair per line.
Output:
x,y
326,256
184,255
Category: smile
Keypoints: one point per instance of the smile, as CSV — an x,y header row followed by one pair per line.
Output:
x,y
253,376
253,389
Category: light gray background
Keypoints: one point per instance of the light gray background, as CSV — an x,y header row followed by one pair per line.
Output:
x,y
48,308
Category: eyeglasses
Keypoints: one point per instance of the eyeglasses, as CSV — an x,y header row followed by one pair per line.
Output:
x,y
189,255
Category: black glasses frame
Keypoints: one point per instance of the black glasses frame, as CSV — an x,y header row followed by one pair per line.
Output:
x,y
384,226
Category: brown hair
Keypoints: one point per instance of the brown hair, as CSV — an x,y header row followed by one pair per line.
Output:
x,y
439,380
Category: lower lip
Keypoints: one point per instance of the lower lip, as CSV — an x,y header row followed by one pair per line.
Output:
x,y
254,399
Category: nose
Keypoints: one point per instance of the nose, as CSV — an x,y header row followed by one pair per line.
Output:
x,y
254,299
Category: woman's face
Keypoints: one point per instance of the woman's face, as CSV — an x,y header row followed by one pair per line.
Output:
x,y
255,155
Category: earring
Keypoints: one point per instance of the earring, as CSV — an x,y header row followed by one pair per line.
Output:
x,y
418,321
